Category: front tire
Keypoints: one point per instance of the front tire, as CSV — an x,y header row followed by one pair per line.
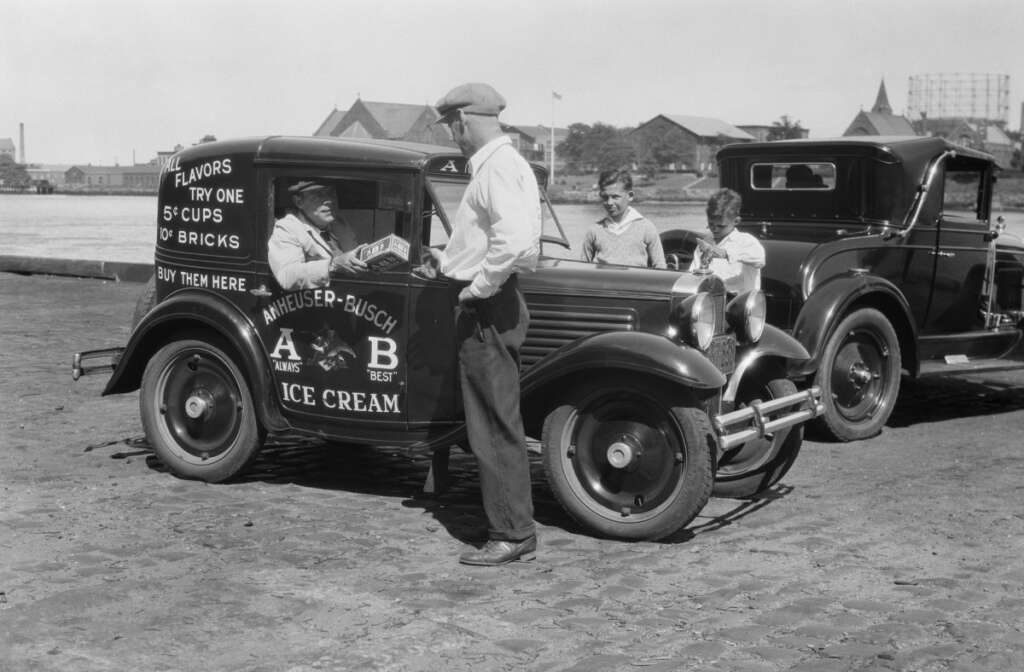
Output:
x,y
626,462
759,464
197,411
859,376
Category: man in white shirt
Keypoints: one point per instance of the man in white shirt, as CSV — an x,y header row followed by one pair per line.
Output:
x,y
303,249
495,236
734,256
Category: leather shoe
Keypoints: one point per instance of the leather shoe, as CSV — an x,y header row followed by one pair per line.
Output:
x,y
496,552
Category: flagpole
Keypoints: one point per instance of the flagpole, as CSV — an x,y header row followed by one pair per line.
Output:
x,y
554,95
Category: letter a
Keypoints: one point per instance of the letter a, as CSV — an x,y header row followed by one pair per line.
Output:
x,y
286,343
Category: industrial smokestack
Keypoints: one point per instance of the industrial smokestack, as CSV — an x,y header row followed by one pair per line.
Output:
x,y
21,140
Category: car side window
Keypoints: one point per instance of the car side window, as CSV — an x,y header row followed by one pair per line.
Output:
x,y
962,194
366,208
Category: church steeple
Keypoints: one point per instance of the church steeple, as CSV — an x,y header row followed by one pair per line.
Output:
x,y
882,101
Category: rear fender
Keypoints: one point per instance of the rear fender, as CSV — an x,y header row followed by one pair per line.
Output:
x,y
774,344
191,310
825,307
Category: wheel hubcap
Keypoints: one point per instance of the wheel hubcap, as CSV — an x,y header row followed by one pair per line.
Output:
x,y
857,381
622,456
199,405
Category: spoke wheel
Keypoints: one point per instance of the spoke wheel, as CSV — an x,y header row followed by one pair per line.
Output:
x,y
759,464
859,376
197,411
625,462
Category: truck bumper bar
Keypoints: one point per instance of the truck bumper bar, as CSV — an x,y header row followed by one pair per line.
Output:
x,y
94,361
756,423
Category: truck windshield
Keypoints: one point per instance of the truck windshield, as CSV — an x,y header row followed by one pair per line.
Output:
x,y
447,194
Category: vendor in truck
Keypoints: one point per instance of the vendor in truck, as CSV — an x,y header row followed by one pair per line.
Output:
x,y
310,241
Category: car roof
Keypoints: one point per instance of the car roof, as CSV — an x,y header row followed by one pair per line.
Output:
x,y
886,148
281,149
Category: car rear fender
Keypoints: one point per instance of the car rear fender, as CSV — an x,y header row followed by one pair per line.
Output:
x,y
829,302
192,312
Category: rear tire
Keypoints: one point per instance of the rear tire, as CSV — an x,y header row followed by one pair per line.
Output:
x,y
626,462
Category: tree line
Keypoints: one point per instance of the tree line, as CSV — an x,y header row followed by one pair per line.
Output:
x,y
593,148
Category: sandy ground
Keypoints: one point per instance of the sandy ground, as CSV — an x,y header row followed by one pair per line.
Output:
x,y
904,552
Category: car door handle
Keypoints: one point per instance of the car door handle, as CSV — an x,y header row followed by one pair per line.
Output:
x,y
941,253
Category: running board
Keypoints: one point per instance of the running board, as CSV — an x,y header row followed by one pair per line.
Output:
x,y
959,364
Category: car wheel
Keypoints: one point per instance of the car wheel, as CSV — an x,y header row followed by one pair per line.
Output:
x,y
197,411
757,465
626,462
859,376
145,302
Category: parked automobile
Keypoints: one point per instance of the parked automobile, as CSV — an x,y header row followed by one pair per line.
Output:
x,y
882,260
648,389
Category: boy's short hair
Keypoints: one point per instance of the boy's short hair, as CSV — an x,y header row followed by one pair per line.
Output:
x,y
724,203
612,176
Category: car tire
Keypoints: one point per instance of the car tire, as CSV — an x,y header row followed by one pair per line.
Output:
x,y
759,464
145,302
626,461
859,376
197,411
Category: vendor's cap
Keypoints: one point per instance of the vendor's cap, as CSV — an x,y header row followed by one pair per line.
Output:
x,y
472,97
305,185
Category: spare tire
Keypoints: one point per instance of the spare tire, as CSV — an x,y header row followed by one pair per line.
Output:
x,y
146,301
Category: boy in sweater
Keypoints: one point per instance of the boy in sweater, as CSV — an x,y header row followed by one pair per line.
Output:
x,y
624,236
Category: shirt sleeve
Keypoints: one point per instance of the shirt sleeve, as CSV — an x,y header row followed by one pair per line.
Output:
x,y
513,207
287,261
749,251
655,252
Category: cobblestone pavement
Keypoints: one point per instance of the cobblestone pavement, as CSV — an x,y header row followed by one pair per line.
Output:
x,y
904,552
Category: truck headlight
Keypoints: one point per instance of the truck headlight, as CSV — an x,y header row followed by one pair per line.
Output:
x,y
695,317
746,315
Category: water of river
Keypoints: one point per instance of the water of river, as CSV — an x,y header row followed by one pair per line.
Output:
x,y
123,228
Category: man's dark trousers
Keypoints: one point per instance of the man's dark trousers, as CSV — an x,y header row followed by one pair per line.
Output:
x,y
490,333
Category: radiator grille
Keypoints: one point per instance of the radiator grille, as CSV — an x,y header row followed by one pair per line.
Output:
x,y
551,328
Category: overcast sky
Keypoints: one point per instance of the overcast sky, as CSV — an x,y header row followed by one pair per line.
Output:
x,y
99,81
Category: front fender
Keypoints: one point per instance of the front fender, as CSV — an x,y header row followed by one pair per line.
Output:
x,y
773,343
825,306
188,310
639,352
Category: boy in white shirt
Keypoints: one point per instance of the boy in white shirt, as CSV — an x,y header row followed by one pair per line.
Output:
x,y
734,256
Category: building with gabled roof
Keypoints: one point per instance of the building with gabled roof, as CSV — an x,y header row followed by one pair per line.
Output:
x,y
386,121
698,139
880,120
975,133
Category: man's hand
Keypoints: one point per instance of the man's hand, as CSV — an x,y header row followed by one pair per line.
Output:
x,y
349,262
431,266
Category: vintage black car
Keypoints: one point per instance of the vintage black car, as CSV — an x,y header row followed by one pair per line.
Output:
x,y
648,389
882,260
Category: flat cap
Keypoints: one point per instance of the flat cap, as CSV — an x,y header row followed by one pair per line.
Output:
x,y
306,185
472,97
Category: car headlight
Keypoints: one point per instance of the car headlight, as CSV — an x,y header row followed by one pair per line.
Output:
x,y
695,317
746,315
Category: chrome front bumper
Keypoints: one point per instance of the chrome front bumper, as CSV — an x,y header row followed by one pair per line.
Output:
x,y
84,363
754,421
